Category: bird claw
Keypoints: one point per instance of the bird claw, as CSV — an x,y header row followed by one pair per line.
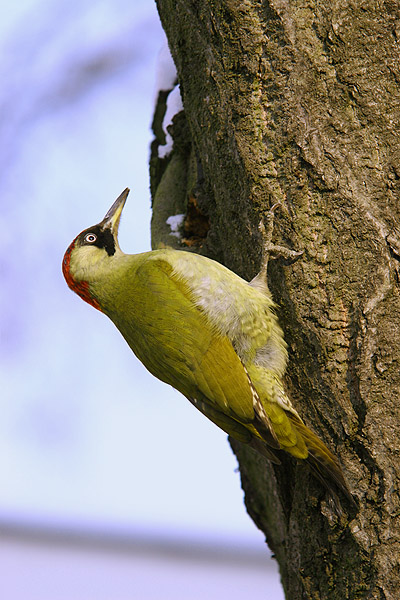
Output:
x,y
266,228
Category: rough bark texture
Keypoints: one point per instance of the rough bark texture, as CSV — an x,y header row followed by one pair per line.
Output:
x,y
299,102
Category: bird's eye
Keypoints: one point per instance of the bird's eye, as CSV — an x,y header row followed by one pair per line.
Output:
x,y
90,238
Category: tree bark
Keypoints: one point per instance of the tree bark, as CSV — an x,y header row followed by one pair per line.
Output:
x,y
299,103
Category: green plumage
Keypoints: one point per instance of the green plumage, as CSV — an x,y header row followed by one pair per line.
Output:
x,y
203,330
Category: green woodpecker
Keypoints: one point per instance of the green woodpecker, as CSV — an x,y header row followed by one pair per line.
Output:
x,y
202,329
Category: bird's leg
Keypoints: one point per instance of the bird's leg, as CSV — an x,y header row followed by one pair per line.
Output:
x,y
266,228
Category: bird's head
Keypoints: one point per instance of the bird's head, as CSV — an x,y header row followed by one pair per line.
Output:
x,y
91,250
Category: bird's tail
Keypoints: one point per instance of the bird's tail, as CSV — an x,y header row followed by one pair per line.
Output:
x,y
324,464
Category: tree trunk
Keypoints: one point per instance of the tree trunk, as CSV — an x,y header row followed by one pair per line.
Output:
x,y
299,103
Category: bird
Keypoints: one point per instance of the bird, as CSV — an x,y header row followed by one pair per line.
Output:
x,y
211,335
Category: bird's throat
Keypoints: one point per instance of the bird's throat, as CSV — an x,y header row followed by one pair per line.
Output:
x,y
79,287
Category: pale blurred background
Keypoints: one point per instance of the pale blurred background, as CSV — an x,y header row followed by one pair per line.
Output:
x,y
112,486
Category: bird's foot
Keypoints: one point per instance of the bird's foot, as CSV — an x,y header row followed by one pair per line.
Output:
x,y
266,229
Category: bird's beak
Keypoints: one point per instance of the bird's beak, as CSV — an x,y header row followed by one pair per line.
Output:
x,y
112,218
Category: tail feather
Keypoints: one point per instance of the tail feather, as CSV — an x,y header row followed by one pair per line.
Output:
x,y
323,463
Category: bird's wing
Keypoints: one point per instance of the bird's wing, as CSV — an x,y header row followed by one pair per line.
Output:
x,y
179,345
